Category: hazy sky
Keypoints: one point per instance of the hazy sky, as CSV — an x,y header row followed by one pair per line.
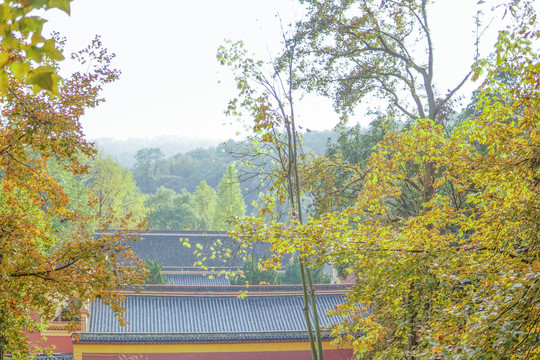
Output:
x,y
166,52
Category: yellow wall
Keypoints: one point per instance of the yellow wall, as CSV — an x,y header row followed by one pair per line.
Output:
x,y
80,349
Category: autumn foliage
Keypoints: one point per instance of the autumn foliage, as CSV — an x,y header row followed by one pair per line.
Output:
x,y
443,235
50,255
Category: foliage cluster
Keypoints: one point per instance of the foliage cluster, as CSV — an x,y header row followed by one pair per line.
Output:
x,y
26,55
440,219
254,272
155,275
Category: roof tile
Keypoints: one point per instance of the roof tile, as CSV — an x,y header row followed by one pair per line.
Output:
x,y
210,314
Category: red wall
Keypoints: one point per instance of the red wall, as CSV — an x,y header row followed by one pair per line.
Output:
x,y
63,344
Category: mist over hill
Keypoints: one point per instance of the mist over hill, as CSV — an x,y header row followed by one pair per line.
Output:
x,y
124,150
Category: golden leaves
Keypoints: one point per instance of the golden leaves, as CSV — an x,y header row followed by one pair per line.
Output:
x,y
48,248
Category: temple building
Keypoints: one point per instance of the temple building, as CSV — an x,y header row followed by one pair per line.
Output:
x,y
195,317
208,322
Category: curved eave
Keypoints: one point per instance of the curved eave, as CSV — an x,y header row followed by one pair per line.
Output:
x,y
191,338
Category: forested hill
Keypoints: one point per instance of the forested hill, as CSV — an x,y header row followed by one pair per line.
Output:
x,y
163,162
124,150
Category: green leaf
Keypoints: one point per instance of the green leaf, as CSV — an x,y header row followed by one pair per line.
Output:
x,y
477,71
42,79
34,53
60,4
10,42
49,48
37,3
4,58
32,24
19,69
4,83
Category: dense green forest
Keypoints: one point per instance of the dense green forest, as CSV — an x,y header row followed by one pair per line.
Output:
x,y
174,182
185,191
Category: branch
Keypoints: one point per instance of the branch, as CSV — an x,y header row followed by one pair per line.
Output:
x,y
450,94
45,275
396,101
416,98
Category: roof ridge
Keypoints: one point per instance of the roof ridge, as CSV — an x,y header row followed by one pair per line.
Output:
x,y
282,288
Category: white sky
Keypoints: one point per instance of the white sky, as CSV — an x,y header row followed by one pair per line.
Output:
x,y
166,52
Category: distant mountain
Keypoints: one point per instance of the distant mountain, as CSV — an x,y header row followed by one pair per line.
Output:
x,y
124,150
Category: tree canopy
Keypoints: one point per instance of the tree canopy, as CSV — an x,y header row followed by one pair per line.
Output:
x,y
441,228
119,201
353,49
172,211
50,255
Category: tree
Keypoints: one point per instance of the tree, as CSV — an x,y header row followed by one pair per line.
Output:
x,y
147,163
206,200
119,201
172,211
38,259
72,184
155,275
333,180
230,201
253,273
445,267
356,144
292,273
447,262
275,144
352,49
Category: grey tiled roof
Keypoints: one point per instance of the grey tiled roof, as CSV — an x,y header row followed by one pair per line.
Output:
x,y
195,280
210,314
169,251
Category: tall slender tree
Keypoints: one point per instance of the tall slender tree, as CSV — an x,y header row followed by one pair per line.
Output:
x,y
206,200
230,202
274,138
